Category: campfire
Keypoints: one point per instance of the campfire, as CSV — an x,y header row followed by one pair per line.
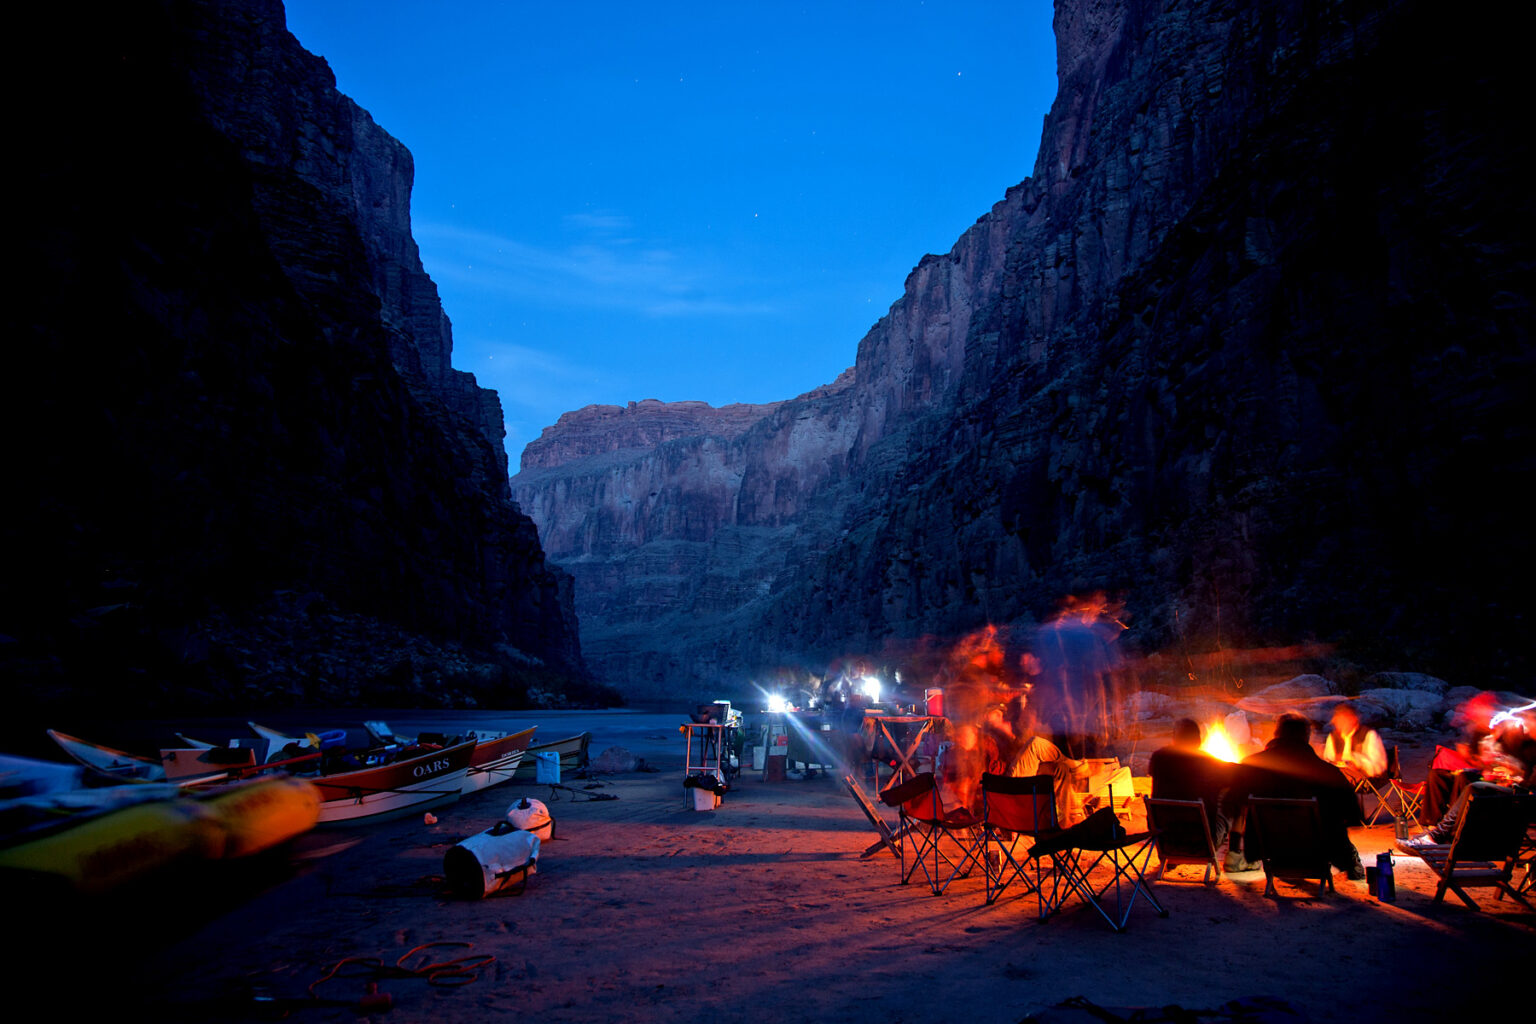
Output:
x,y
1219,745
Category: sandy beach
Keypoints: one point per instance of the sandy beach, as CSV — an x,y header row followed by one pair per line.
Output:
x,y
764,909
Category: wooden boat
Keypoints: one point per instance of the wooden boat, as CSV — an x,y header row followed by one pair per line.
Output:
x,y
191,766
572,751
496,758
109,761
429,779
369,792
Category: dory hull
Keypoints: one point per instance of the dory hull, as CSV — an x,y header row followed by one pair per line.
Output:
x,y
572,751
496,761
108,761
402,787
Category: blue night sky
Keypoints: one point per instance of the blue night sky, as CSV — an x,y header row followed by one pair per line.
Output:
x,y
707,201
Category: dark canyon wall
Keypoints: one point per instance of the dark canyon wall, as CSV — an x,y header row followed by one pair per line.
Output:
x,y
1252,346
240,462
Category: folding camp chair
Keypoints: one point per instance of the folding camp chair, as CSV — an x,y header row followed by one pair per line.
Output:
x,y
1011,810
1101,839
890,839
1409,797
1525,860
1379,788
1291,843
933,833
1183,836
1486,847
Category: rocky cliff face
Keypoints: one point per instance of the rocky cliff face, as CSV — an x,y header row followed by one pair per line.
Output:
x,y
231,398
1251,346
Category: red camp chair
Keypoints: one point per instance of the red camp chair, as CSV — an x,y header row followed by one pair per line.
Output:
x,y
934,836
1409,797
1101,839
1012,809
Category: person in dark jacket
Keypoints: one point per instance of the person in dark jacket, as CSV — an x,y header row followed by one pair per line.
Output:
x,y
1289,767
1182,771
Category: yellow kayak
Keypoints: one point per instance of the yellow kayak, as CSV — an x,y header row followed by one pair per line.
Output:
x,y
107,850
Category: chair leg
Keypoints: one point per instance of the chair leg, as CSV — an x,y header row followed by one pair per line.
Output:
x,y
1516,895
1005,870
1127,871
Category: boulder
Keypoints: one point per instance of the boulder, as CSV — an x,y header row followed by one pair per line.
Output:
x,y
1148,705
1299,687
1399,703
613,761
1408,681
1309,695
1374,714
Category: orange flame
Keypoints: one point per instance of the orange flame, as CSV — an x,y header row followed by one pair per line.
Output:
x,y
1218,745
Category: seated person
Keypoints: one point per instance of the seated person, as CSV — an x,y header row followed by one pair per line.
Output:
x,y
1356,751
1455,768
1289,767
1509,753
1182,771
972,752
1033,754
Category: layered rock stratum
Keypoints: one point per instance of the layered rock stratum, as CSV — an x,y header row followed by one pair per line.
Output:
x,y
242,467
1251,348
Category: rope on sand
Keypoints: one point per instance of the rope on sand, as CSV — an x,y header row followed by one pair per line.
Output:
x,y
444,973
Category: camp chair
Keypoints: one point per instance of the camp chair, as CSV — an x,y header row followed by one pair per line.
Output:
x,y
1408,796
1380,788
1486,847
890,839
1291,841
1526,859
947,837
1183,836
1101,839
1011,809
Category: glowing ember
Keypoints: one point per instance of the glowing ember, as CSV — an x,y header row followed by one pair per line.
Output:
x,y
1218,745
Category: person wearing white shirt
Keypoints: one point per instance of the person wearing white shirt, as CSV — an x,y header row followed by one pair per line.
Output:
x,y
1356,750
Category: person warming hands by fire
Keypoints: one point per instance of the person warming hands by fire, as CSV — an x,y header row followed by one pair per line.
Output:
x,y
1356,750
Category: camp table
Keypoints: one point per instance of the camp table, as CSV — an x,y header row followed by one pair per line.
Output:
x,y
707,749
881,724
